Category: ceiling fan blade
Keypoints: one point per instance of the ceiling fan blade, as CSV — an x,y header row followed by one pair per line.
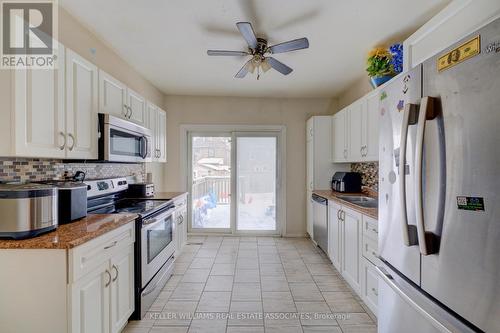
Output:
x,y
244,70
246,30
279,66
227,53
292,45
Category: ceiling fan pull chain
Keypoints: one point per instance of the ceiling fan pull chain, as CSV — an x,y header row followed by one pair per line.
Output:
x,y
258,72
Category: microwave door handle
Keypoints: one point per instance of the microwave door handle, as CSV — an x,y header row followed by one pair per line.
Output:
x,y
410,115
145,153
427,112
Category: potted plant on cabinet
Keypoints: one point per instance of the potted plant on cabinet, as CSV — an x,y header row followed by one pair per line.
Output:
x,y
380,68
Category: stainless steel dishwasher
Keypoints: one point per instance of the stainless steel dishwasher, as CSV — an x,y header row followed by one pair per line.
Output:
x,y
320,221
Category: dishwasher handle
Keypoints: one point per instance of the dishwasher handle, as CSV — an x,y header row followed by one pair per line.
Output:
x,y
318,199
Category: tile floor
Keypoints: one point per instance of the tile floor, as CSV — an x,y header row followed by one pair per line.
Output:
x,y
252,285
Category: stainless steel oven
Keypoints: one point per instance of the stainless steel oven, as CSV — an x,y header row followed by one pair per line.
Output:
x,y
157,243
121,140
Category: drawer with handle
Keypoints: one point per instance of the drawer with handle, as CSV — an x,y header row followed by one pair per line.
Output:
x,y
370,228
85,258
370,250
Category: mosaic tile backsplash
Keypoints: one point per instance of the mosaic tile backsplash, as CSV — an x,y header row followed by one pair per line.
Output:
x,y
26,169
369,173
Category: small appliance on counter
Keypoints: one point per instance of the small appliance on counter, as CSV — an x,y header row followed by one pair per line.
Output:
x,y
72,199
27,210
141,190
349,182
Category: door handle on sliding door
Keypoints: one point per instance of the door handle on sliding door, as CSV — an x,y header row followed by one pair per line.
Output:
x,y
427,112
410,116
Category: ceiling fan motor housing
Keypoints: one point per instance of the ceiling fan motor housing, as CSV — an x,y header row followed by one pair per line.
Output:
x,y
261,47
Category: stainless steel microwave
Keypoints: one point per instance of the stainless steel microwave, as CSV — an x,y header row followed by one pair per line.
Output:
x,y
121,140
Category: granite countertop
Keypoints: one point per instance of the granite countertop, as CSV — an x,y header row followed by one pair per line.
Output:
x,y
70,235
332,195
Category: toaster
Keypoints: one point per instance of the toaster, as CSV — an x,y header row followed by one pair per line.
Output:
x,y
346,182
141,190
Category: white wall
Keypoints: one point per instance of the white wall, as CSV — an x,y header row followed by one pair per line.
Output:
x,y
291,113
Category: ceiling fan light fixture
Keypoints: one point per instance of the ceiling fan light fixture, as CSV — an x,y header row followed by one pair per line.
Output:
x,y
258,49
265,65
251,67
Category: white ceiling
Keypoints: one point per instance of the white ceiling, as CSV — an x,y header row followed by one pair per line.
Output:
x,y
166,40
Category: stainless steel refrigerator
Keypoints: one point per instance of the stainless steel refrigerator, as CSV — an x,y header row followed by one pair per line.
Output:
x,y
439,202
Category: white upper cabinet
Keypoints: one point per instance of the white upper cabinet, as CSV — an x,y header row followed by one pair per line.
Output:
x,y
81,107
454,22
370,127
112,96
162,136
39,113
340,143
354,130
137,107
310,129
117,99
157,123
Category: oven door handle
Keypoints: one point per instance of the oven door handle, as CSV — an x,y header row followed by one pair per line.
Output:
x,y
158,218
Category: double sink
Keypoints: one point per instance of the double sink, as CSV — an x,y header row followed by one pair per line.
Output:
x,y
366,202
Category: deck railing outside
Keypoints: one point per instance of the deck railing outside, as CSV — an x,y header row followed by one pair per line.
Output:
x,y
217,186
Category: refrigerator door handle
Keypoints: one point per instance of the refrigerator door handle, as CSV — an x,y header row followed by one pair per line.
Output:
x,y
410,116
427,112
394,285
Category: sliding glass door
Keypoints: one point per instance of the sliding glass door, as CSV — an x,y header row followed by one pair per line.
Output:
x,y
211,181
253,180
256,179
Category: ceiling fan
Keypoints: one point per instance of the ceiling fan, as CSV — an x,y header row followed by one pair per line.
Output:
x,y
259,50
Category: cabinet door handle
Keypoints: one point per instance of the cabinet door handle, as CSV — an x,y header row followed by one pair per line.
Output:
x,y
375,291
125,110
343,215
375,230
338,214
109,279
111,245
72,141
116,270
64,142
131,112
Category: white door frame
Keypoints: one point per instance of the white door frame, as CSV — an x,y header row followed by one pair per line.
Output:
x,y
280,130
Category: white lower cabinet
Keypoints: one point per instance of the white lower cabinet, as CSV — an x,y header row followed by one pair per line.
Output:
x,y
103,299
334,234
122,288
90,302
85,289
352,248
181,222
